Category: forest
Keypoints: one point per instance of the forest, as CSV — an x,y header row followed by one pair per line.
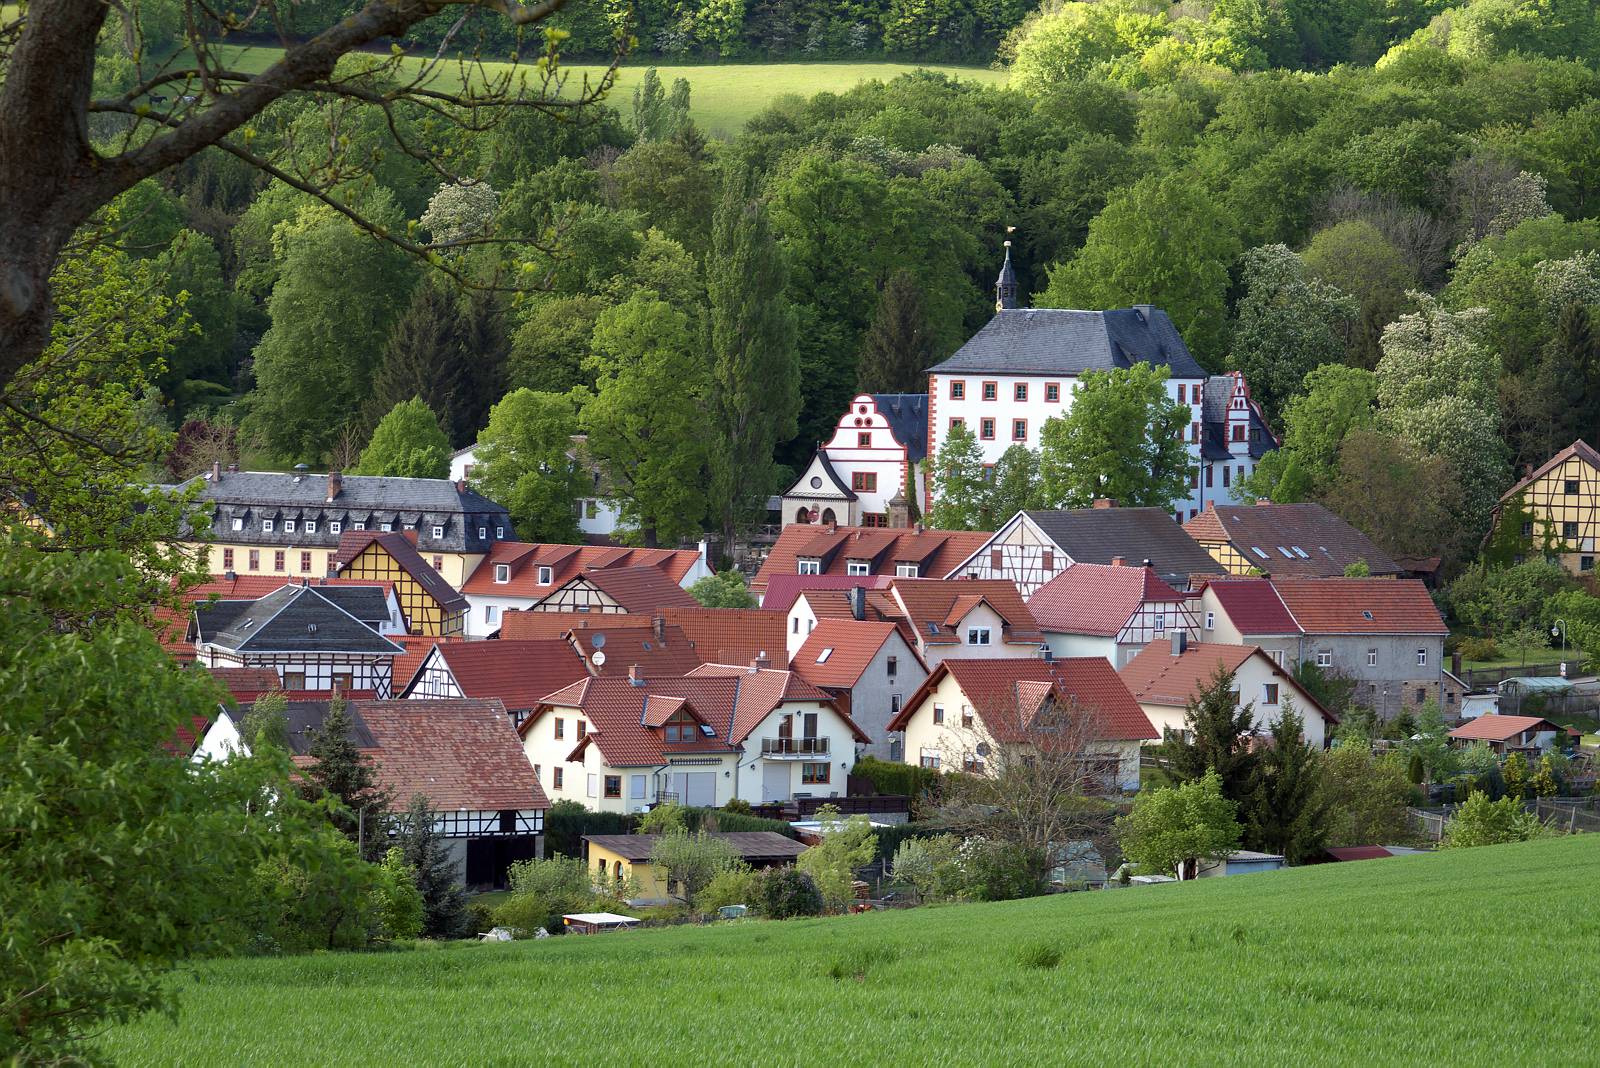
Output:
x,y
1399,251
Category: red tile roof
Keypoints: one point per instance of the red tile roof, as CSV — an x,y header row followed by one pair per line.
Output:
x,y
1156,677
783,590
522,623
1501,728
935,552
459,754
763,690
519,673
246,683
417,647
853,643
1252,605
732,635
640,590
403,551
1361,606
615,708
935,608
566,562
658,651
1097,598
1004,693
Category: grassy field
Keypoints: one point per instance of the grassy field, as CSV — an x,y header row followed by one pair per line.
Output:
x,y
1383,962
722,96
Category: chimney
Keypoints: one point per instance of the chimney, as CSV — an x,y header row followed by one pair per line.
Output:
x,y
858,602
1147,561
335,485
461,485
659,627
635,676
1263,500
216,471
761,662
1104,502
1119,561
1180,642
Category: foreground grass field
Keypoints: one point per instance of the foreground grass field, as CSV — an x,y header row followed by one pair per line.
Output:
x,y
1459,958
723,97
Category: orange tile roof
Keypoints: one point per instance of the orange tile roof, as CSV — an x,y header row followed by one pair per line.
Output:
x,y
731,635
1097,598
658,651
935,607
401,546
1493,728
935,552
1156,677
459,754
1580,448
1361,606
639,590
853,642
760,691
527,623
519,673
566,562
616,707
999,691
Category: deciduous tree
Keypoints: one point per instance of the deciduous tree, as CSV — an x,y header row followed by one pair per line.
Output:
x,y
1122,439
1171,829
524,463
407,444
1288,323
960,491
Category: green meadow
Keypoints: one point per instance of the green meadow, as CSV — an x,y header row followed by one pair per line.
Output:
x,y
722,96
1474,957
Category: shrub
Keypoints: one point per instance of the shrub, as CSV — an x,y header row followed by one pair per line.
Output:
x,y
1001,871
663,819
395,900
847,845
737,886
738,807
889,838
1480,821
932,866
893,777
480,916
541,892
1479,649
786,892
567,822
722,819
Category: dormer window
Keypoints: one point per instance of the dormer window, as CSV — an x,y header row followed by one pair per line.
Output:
x,y
483,532
809,566
311,526
905,570
499,532
288,526
502,572
438,531
387,528
977,635
682,728
266,526
358,525
857,567
238,524
546,574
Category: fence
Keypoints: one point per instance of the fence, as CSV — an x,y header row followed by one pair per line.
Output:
x,y
1489,678
1574,815
1430,822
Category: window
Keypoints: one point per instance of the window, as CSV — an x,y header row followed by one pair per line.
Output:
x,y
1450,698
1569,530
809,567
227,559
1527,528
1020,391
294,680
1211,621
1585,563
502,572
1052,392
1422,695
864,481
894,703
958,390
255,559
1047,559
1161,622
1324,658
977,635
238,524
905,570
592,784
266,526
386,527
310,526
546,574
938,713
580,728
1269,693
1194,478
1019,430
500,532
1238,432
343,680
483,532
930,759
438,563
336,527
1183,393
491,613
1194,431
1571,486
288,526
822,657
636,786
561,727
438,531
966,717
858,567
795,625
556,776
1372,658
956,422
1227,477
972,765
277,560
613,785
1209,472
815,773
305,563
991,391
1422,658
1277,656
986,429
893,666
996,559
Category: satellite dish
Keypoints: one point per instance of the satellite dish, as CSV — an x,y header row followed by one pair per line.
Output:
x,y
983,749
598,641
597,658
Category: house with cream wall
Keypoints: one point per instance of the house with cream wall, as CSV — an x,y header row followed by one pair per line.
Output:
x,y
870,470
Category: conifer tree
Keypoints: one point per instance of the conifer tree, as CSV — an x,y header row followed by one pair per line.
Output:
x,y
423,357
444,902
1287,814
754,399
342,773
485,348
897,347
1219,728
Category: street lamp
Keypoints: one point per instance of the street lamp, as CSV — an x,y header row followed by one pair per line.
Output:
x,y
1561,629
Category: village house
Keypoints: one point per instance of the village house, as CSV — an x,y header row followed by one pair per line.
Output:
x,y
432,606
380,610
519,674
290,524
621,859
966,618
868,668
864,552
1554,509
1166,676
1286,541
312,636
463,756
1022,369
1033,547
730,635
519,576
859,603
967,710
623,743
1383,635
867,474
1111,611
1507,734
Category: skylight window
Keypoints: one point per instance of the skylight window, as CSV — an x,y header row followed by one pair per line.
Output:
x,y
1287,554
705,729
822,657
1366,616
1258,551
933,628
1301,553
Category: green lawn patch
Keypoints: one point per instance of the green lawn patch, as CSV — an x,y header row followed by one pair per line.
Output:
x,y
1395,961
723,96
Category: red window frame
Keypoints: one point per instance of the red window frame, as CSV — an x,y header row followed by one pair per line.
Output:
x,y
863,439
1194,431
1183,393
255,559
278,560
988,388
1015,425
958,389
1238,432
305,562
864,481
227,559
1052,392
1019,391
986,428
956,420
557,777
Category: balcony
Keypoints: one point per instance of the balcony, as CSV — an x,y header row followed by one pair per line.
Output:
x,y
794,748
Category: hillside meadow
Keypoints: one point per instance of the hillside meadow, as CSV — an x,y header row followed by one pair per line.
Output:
x,y
723,97
1470,957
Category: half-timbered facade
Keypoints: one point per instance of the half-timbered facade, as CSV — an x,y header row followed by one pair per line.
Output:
x,y
1554,511
1034,547
870,470
1110,611
432,606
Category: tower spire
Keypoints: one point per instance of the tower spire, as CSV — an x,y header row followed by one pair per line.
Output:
x,y
1005,287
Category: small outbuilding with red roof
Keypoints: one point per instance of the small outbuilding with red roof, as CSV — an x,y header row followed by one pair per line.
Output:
x,y
1504,734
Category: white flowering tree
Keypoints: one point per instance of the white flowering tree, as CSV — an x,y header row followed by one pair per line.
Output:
x,y
460,211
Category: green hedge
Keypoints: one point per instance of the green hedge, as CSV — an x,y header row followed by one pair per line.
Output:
x,y
567,822
889,838
721,820
894,778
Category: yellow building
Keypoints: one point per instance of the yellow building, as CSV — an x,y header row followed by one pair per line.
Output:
x,y
624,859
1555,510
432,606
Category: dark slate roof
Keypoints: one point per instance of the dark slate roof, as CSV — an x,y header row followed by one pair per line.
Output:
x,y
370,604
418,503
293,619
1029,341
907,414
839,483
1096,535
304,717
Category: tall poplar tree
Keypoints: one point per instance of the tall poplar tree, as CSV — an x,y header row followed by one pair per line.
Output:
x,y
754,399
